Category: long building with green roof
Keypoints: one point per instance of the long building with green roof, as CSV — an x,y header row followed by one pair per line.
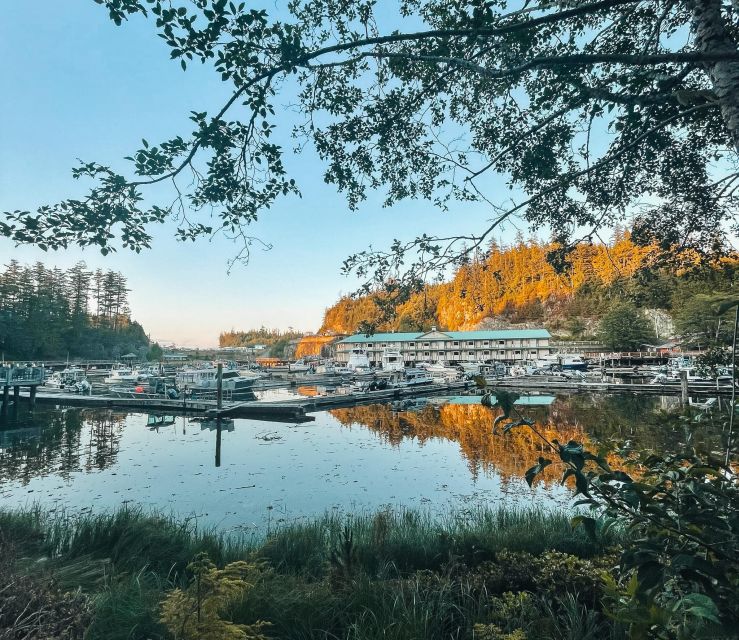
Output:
x,y
507,345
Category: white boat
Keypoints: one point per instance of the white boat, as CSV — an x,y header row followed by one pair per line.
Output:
x,y
414,377
441,372
392,360
564,361
474,368
358,361
66,378
299,367
121,376
207,380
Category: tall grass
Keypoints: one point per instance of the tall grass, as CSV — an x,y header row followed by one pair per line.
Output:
x,y
127,559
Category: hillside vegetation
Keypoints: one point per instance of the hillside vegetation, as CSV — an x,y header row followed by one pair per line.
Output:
x,y
52,313
517,285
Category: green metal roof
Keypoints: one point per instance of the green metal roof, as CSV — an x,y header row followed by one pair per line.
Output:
x,y
504,334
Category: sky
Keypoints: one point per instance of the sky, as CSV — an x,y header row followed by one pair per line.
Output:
x,y
73,85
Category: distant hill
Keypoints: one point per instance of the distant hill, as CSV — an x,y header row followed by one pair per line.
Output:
x,y
517,286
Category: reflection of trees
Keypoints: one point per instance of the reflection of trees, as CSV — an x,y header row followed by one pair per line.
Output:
x,y
62,442
601,423
468,425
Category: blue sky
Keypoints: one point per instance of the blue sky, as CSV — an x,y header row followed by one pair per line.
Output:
x,y
76,86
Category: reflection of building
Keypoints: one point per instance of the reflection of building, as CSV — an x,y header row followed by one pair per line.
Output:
x,y
510,345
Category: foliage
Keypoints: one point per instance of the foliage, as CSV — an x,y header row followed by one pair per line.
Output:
x,y
700,322
274,339
623,328
518,284
54,313
679,570
35,607
195,613
411,576
155,353
589,110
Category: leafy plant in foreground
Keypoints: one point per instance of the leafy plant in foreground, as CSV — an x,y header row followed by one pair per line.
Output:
x,y
195,612
679,571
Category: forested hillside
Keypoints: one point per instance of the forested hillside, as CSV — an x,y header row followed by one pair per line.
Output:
x,y
276,341
53,313
517,285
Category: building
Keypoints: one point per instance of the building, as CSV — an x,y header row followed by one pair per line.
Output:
x,y
509,345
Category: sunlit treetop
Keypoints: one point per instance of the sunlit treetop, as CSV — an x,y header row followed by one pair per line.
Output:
x,y
595,113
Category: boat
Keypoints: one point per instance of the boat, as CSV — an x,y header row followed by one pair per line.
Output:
x,y
207,380
121,376
564,361
67,378
415,377
358,361
299,366
439,371
392,359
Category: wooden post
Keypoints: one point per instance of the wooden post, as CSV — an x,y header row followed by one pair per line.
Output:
x,y
16,400
684,387
218,442
32,397
6,401
219,392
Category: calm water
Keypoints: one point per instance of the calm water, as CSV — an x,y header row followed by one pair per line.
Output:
x,y
437,454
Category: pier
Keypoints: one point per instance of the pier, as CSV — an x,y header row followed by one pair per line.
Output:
x,y
16,377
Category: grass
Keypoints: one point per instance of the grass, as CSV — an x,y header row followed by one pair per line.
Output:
x,y
391,574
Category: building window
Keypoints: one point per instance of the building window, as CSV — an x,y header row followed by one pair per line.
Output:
x,y
426,353
533,353
441,353
517,352
501,352
486,353
425,344
486,343
369,345
471,353
384,344
501,342
411,344
456,353
456,344
470,343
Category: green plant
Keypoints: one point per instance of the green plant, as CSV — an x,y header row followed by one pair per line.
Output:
x,y
195,613
679,570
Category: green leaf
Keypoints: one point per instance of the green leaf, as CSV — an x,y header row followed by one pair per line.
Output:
x,y
536,469
699,605
587,523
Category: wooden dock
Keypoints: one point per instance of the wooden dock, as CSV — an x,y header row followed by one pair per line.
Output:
x,y
543,384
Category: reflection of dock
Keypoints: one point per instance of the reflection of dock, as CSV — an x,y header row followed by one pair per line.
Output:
x,y
17,377
320,403
533,383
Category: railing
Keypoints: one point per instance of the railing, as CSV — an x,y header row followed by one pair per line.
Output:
x,y
20,376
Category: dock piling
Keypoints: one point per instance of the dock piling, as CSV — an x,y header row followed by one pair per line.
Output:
x,y
684,388
219,392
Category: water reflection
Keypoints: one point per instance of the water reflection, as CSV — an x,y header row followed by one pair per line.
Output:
x,y
52,442
428,453
615,426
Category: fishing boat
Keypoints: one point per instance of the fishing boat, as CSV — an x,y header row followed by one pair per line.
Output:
x,y
299,366
563,361
121,376
66,378
207,380
392,359
415,377
358,361
440,372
